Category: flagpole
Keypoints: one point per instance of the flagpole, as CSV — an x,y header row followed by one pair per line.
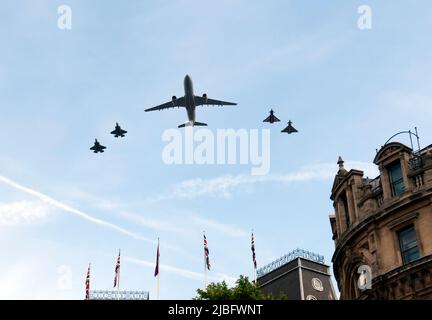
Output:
x,y
158,275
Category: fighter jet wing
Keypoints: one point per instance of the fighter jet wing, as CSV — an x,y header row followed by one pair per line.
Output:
x,y
271,118
199,101
120,131
268,119
290,129
180,102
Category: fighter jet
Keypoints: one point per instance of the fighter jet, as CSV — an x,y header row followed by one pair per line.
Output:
x,y
97,147
271,118
190,101
118,131
290,129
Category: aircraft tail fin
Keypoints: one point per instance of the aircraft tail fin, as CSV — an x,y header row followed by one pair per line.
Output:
x,y
189,124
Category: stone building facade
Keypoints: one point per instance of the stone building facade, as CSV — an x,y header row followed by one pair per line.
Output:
x,y
382,227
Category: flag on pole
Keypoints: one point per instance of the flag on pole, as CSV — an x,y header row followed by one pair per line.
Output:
x,y
156,272
117,271
206,253
87,284
253,251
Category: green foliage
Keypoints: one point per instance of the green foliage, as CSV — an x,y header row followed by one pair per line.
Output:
x,y
243,290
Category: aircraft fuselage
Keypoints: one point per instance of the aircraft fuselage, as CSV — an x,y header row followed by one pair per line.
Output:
x,y
189,98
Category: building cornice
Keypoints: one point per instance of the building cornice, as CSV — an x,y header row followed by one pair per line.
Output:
x,y
384,212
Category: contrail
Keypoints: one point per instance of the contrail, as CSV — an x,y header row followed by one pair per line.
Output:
x,y
74,211
179,271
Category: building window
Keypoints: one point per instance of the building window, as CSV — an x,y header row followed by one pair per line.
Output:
x,y
344,200
408,245
396,178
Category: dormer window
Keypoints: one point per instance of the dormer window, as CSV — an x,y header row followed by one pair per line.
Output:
x,y
396,178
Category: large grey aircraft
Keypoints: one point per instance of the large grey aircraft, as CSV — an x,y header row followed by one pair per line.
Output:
x,y
190,101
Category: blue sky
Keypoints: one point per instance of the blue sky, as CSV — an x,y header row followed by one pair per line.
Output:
x,y
61,206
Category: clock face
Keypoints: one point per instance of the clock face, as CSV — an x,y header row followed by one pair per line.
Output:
x,y
317,284
311,297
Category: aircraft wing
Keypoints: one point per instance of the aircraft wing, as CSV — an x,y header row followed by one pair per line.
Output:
x,y
180,102
199,101
289,130
93,148
271,118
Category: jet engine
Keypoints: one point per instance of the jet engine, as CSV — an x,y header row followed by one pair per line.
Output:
x,y
205,97
174,99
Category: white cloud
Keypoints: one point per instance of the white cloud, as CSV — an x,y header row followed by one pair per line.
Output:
x,y
57,204
181,272
166,221
223,186
52,202
220,227
29,276
155,224
14,279
20,212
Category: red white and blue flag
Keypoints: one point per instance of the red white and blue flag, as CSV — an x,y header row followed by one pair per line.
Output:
x,y
117,271
206,254
87,284
156,272
253,251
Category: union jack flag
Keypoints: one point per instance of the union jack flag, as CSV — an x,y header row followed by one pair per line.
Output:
x,y
87,284
206,254
253,250
117,271
156,272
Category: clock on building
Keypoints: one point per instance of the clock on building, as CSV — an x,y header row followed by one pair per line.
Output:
x,y
317,284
